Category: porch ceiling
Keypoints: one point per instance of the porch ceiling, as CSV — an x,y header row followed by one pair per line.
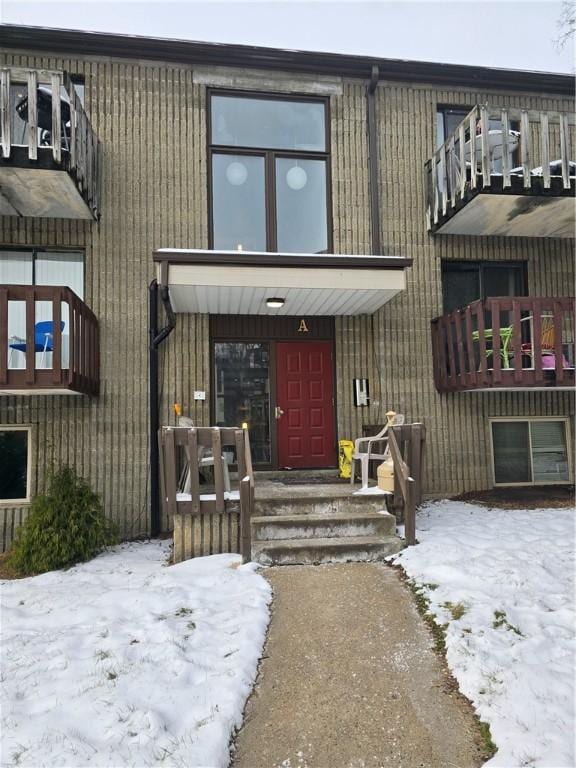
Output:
x,y
233,282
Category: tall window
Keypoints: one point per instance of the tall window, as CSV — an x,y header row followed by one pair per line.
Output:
x,y
466,281
269,166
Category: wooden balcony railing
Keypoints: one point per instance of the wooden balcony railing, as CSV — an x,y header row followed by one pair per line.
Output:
x,y
56,126
501,150
60,357
505,343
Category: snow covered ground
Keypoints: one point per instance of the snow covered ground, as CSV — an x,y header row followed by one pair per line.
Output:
x,y
124,662
509,575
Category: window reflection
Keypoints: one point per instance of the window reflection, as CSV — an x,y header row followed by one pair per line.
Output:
x,y
239,209
301,199
242,379
268,123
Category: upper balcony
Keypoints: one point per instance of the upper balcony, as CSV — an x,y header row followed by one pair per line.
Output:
x,y
49,160
49,342
504,172
505,343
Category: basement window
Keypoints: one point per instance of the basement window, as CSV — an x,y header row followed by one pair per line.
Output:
x,y
530,452
15,463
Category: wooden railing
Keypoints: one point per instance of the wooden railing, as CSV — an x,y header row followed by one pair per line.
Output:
x,y
69,137
206,521
505,342
407,443
73,365
515,153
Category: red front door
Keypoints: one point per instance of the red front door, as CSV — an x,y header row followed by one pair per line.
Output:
x,y
305,400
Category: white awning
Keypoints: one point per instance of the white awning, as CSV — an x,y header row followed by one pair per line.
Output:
x,y
241,283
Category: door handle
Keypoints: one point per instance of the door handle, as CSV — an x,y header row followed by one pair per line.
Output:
x,y
279,412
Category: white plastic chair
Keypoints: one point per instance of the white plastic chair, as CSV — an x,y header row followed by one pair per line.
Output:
x,y
205,459
367,455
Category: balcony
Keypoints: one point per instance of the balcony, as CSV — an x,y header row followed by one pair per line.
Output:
x,y
505,343
49,159
521,181
49,342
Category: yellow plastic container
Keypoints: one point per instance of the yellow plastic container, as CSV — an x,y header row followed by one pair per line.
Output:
x,y
345,452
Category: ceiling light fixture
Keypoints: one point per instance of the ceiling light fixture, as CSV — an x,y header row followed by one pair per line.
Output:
x,y
274,302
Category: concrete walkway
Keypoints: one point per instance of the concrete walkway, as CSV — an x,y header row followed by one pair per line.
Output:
x,y
350,679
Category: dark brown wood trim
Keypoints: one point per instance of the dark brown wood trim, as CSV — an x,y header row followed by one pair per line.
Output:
x,y
258,57
248,258
270,328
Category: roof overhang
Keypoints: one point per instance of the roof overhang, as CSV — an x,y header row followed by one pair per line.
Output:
x,y
240,282
257,57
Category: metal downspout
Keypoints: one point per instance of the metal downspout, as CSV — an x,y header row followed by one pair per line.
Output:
x,y
373,160
156,337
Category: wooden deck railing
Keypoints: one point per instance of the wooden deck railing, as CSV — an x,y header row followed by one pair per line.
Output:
x,y
507,343
71,141
73,366
206,521
515,153
407,444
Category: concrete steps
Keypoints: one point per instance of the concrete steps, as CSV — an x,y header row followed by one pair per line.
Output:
x,y
323,526
316,503
318,522
315,551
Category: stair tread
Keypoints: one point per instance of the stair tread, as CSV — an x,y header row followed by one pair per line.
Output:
x,y
308,519
318,498
346,542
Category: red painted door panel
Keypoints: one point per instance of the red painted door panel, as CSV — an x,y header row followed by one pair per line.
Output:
x,y
305,393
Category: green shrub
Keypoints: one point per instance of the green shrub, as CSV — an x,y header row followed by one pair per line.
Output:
x,y
66,525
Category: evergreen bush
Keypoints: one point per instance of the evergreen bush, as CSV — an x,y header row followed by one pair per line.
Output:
x,y
66,525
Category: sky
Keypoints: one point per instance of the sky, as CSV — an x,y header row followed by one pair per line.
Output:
x,y
515,35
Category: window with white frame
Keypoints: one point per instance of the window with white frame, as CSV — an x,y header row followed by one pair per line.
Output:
x,y
15,463
530,451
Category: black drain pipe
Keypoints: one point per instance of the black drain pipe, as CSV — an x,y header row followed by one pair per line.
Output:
x,y
373,159
156,338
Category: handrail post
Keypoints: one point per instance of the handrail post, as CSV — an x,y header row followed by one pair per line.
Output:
x,y
32,115
30,335
5,113
4,296
56,336
246,497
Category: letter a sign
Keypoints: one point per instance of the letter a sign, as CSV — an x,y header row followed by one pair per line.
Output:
x,y
303,328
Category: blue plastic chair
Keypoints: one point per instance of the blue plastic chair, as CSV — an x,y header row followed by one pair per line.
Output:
x,y
43,339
